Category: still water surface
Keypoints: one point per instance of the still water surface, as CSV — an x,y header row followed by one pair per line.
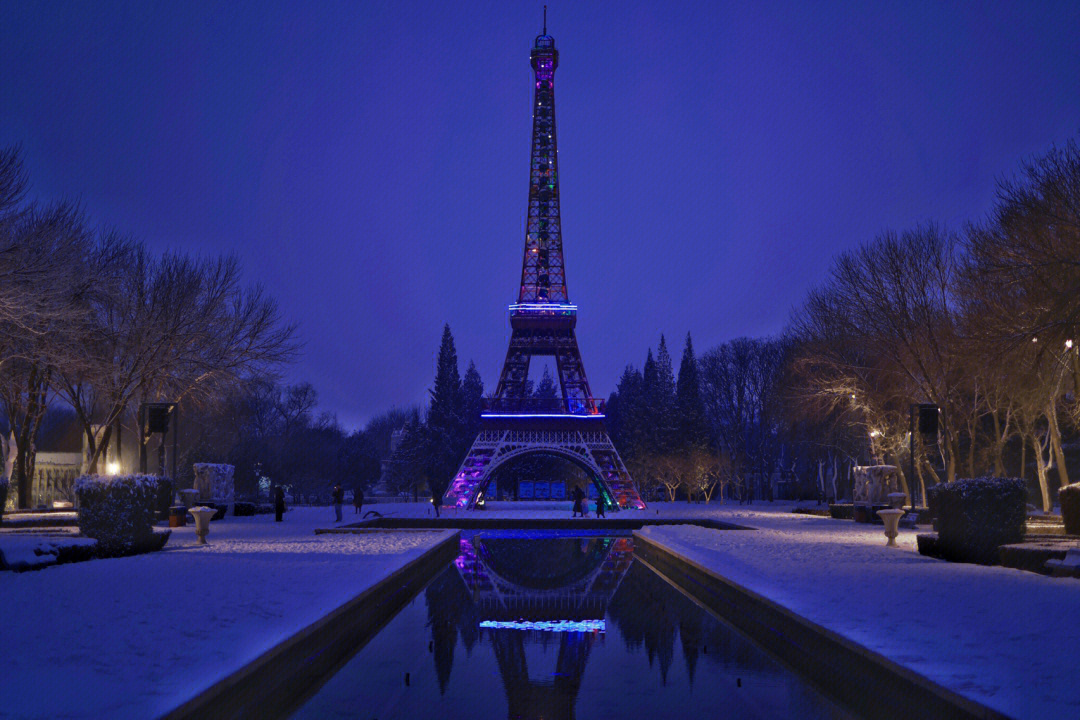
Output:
x,y
559,625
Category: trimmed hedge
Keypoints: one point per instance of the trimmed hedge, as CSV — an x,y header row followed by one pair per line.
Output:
x,y
976,515
118,511
243,509
1069,496
842,511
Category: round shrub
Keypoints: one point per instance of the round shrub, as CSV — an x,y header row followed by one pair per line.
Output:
x,y
1070,508
117,510
242,509
976,515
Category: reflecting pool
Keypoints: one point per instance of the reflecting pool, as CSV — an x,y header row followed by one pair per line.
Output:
x,y
559,625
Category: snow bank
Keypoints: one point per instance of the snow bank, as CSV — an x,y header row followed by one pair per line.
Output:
x,y
996,635
26,550
134,637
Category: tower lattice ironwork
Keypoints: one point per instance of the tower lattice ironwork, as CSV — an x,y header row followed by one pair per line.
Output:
x,y
543,320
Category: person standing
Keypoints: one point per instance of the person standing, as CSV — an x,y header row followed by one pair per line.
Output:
x,y
279,503
339,500
579,497
600,507
358,500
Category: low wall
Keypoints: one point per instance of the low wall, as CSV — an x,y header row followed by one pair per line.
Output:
x,y
631,522
277,682
864,682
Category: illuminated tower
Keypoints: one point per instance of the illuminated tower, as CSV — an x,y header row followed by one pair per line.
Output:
x,y
542,320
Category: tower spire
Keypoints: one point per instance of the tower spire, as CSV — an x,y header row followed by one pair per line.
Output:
x,y
545,20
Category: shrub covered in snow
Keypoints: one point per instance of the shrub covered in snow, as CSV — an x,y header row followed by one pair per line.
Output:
x,y
1070,507
118,510
975,516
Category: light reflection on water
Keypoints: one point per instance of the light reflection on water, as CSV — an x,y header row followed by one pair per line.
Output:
x,y
479,643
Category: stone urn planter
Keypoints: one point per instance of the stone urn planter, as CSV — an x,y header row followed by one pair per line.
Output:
x,y
891,518
202,517
189,497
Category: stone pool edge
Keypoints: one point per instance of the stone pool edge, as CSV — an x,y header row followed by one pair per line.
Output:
x,y
276,682
862,680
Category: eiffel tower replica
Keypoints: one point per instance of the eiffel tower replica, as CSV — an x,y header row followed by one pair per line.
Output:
x,y
512,423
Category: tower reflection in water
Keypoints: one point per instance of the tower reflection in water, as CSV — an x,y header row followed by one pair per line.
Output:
x,y
514,592
542,625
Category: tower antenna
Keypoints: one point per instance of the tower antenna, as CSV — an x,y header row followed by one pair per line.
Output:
x,y
545,20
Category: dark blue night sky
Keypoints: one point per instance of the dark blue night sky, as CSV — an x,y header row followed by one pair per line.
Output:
x,y
368,161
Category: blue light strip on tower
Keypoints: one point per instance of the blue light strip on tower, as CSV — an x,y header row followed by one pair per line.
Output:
x,y
544,307
546,625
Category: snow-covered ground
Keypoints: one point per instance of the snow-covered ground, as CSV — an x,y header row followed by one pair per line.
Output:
x,y
1006,638
134,637
34,547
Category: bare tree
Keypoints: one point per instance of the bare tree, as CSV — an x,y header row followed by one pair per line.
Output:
x,y
171,328
45,308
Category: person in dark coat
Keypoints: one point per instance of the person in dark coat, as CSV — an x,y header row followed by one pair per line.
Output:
x,y
279,503
600,507
358,500
339,500
579,498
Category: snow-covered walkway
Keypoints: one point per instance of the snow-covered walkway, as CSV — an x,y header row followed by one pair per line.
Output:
x,y
134,637
1005,638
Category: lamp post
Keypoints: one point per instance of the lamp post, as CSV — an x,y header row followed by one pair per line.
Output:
x,y
154,420
928,425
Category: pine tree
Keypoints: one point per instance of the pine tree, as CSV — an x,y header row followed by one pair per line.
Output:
x,y
662,402
546,389
649,419
407,468
472,390
445,424
690,408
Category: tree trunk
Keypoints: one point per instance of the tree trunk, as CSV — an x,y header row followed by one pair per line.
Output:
x,y
1055,444
1023,459
1040,471
999,447
10,449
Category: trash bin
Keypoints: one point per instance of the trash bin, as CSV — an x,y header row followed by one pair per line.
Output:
x,y
177,516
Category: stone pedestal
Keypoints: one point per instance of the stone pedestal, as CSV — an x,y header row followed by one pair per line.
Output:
x,y
891,518
202,517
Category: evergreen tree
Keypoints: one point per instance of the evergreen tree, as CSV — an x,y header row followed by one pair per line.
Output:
x,y
649,419
445,419
546,389
472,390
407,468
693,428
662,403
626,415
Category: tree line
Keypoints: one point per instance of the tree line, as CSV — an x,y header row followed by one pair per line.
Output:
x,y
92,318
979,322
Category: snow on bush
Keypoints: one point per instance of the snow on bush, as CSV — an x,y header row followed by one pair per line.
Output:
x,y
118,510
1069,497
976,515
